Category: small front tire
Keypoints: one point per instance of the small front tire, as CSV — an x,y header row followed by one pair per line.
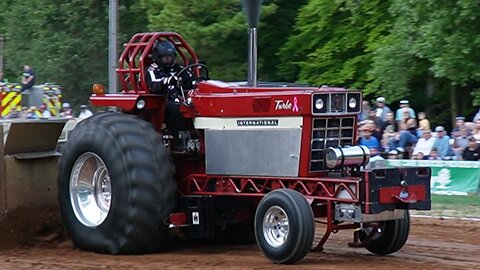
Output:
x,y
284,226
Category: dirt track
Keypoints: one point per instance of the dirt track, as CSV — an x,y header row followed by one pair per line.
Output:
x,y
433,244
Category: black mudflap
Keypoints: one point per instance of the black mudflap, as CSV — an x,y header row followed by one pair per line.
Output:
x,y
200,216
396,188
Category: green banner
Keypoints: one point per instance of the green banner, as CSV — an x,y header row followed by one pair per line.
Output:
x,y
448,177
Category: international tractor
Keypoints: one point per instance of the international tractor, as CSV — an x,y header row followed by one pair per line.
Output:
x,y
265,162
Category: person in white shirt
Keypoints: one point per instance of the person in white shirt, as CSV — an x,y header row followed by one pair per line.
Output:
x,y
424,144
85,112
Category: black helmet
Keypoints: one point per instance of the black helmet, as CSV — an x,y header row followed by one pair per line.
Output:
x,y
163,48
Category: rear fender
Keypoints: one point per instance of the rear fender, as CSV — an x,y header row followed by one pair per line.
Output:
x,y
127,102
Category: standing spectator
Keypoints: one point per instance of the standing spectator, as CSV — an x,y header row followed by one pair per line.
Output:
x,y
28,78
365,111
459,124
442,143
424,144
460,142
423,123
472,151
382,109
84,112
399,114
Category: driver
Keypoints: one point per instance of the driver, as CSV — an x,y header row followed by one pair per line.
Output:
x,y
161,78
161,74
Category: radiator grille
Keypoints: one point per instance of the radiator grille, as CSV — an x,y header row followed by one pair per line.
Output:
x,y
329,132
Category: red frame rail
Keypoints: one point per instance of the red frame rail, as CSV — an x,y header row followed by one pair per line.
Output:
x,y
325,189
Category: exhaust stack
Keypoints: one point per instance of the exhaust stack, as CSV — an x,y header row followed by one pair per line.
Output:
x,y
252,10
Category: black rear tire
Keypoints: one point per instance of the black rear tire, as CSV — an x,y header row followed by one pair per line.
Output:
x,y
141,184
393,236
278,243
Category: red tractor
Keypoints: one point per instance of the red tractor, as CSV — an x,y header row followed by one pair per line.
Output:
x,y
260,162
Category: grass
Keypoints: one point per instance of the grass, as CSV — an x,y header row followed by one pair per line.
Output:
x,y
473,200
454,206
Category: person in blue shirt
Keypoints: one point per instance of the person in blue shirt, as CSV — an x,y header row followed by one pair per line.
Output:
x,y
442,143
368,140
399,114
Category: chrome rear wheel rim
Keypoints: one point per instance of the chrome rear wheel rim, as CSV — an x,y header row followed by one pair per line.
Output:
x,y
90,189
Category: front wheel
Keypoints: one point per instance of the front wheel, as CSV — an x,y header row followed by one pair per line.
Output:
x,y
284,226
390,236
115,185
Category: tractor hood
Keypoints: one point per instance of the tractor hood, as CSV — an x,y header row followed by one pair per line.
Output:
x,y
237,99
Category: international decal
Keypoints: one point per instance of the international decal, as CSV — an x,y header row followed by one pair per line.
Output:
x,y
257,122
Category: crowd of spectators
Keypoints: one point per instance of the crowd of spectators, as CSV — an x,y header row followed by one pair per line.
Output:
x,y
401,134
43,112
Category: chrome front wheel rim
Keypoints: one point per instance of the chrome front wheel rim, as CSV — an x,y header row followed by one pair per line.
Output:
x,y
275,226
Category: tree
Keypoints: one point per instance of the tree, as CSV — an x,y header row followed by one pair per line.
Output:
x,y
66,42
219,35
333,42
274,32
434,44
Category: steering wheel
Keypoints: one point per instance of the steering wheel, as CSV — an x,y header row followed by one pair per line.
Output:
x,y
191,66
195,78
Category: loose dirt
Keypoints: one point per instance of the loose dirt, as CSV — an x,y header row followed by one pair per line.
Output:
x,y
433,244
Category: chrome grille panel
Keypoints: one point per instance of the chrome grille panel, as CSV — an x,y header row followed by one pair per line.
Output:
x,y
329,132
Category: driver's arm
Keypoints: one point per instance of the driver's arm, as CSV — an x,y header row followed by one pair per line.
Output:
x,y
157,81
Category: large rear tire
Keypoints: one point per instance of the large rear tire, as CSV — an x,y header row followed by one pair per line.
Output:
x,y
390,237
284,226
115,185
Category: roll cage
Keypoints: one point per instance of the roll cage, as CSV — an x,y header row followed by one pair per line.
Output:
x,y
136,57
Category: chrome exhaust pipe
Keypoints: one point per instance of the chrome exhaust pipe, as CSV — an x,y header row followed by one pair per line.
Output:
x,y
354,156
252,57
252,10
